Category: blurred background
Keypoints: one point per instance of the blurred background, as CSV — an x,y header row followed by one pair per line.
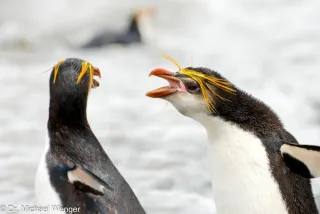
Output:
x,y
268,48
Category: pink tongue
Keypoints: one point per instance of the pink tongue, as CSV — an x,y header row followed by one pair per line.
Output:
x,y
179,86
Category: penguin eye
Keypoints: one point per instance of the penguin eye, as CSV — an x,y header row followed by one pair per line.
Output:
x,y
192,87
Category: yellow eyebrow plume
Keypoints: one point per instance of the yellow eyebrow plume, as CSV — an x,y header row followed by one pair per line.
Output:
x,y
171,60
204,80
84,68
56,69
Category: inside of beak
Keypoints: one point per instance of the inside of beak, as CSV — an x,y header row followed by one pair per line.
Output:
x,y
175,84
96,73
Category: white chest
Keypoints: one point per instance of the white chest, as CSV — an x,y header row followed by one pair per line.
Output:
x,y
241,179
45,194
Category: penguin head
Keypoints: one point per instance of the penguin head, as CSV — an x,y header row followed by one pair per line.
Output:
x,y
194,91
141,24
72,77
70,83
143,14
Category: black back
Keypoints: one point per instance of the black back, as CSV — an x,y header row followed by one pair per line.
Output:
x,y
72,143
131,35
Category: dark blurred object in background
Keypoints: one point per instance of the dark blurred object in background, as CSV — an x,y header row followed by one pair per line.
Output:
x,y
134,33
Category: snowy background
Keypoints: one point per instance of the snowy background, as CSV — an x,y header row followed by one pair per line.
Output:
x,y
270,48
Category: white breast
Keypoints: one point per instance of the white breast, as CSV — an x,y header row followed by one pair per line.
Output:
x,y
241,179
45,194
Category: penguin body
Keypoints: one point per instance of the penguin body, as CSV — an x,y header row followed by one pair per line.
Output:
x,y
249,175
133,35
75,172
239,160
110,38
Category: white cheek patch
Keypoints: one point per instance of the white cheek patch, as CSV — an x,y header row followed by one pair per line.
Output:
x,y
188,104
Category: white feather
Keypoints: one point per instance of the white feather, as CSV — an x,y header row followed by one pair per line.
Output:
x,y
241,179
310,158
45,193
86,178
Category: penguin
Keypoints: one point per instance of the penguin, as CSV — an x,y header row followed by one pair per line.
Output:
x,y
135,32
249,175
75,172
302,159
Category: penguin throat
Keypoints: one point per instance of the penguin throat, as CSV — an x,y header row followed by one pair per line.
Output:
x,y
134,26
69,111
241,177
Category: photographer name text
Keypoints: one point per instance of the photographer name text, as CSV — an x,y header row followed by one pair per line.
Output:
x,y
34,208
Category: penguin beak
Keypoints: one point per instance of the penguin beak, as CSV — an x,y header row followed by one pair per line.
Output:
x,y
175,84
96,72
145,12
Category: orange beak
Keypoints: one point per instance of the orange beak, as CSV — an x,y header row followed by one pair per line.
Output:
x,y
175,84
145,12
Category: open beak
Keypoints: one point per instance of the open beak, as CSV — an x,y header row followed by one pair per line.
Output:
x,y
175,84
96,72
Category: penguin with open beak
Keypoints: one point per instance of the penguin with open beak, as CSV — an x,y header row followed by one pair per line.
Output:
x,y
249,175
136,32
75,172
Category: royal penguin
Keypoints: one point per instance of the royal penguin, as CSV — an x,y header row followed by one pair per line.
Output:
x,y
75,172
249,175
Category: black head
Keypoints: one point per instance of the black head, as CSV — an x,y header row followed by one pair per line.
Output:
x,y
137,17
200,92
194,90
70,83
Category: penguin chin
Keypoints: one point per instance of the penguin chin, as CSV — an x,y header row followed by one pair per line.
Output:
x,y
188,104
146,29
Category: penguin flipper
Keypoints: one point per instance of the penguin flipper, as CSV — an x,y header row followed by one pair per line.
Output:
x,y
302,159
87,181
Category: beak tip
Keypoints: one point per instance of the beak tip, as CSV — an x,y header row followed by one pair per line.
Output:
x,y
160,71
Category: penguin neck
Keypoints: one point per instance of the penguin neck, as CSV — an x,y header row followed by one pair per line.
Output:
x,y
142,28
134,26
68,111
240,170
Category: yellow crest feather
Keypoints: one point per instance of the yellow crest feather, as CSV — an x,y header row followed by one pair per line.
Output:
x,y
204,80
84,68
56,69
171,60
